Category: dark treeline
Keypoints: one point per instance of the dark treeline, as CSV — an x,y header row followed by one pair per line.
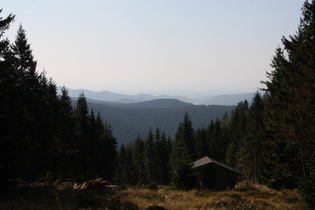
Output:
x,y
159,159
145,161
42,134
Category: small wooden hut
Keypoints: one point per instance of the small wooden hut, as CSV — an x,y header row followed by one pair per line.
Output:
x,y
215,175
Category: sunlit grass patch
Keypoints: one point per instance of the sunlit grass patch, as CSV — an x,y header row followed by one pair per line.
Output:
x,y
251,196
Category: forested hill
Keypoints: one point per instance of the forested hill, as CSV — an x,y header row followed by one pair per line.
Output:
x,y
130,120
156,103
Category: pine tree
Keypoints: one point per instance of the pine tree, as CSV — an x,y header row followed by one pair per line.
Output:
x,y
82,143
138,159
123,173
102,147
236,133
98,137
290,109
65,134
110,152
187,134
93,146
158,150
34,110
250,155
150,157
27,82
162,157
182,155
49,126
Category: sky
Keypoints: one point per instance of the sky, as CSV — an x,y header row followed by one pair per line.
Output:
x,y
155,46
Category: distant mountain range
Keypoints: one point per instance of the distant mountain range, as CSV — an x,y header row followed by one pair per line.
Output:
x,y
130,116
106,96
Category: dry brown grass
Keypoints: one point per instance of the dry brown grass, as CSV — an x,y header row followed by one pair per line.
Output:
x,y
244,196
249,197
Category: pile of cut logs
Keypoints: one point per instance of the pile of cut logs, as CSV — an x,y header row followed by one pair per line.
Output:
x,y
94,184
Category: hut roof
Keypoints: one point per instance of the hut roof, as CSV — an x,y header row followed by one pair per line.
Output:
x,y
206,160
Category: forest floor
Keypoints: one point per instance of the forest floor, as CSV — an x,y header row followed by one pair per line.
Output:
x,y
244,196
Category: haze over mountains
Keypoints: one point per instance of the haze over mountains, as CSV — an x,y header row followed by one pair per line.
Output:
x,y
131,116
106,96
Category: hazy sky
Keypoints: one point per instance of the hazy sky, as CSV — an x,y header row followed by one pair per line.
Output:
x,y
150,46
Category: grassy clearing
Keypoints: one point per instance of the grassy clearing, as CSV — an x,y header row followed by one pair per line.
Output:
x,y
253,197
244,196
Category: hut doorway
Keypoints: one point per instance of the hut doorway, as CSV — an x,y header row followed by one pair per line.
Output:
x,y
210,177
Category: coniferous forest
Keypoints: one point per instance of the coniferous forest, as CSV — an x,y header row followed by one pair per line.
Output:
x,y
270,140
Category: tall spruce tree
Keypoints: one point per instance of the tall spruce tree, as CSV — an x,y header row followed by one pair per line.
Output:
x,y
183,155
49,126
34,104
250,155
103,145
138,159
82,143
109,151
162,157
99,157
150,158
65,134
236,132
290,109
94,145
27,82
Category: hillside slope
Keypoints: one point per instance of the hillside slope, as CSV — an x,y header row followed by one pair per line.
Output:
x,y
130,120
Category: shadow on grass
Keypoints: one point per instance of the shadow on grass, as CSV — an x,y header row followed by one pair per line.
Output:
x,y
48,197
